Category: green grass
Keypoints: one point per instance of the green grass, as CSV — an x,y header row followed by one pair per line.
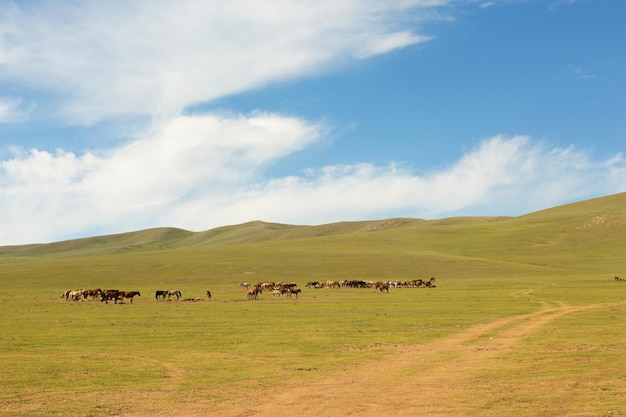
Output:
x,y
52,350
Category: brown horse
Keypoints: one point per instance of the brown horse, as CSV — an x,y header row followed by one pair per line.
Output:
x,y
295,291
254,293
129,294
93,293
111,295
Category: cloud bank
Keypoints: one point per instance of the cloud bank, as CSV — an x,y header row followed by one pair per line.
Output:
x,y
204,172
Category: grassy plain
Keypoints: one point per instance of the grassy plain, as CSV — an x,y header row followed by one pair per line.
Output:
x,y
526,320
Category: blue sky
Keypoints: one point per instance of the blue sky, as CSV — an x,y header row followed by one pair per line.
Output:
x,y
118,117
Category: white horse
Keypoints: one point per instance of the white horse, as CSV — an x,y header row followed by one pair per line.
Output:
x,y
177,293
244,285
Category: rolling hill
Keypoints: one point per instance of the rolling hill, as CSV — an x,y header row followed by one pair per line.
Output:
x,y
588,231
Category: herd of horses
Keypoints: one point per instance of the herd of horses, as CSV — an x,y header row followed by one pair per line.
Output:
x,y
379,285
290,288
104,295
277,289
117,295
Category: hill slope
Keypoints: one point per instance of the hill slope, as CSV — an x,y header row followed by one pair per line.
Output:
x,y
593,228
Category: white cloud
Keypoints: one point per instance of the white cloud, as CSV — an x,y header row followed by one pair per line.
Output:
x,y
50,195
202,172
108,59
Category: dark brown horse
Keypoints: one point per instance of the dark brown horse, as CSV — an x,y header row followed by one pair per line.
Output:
x,y
111,295
295,291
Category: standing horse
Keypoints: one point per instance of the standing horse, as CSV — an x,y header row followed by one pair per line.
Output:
x,y
93,293
76,295
295,291
254,293
177,293
130,295
160,294
244,285
111,295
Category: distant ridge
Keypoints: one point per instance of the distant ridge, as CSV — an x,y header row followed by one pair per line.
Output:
x,y
600,215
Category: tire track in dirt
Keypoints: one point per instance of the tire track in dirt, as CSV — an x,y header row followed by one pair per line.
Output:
x,y
425,380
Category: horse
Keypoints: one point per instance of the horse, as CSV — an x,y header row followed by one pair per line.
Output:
x,y
111,295
382,286
93,293
244,285
254,293
177,293
76,295
619,279
130,295
295,291
208,294
160,294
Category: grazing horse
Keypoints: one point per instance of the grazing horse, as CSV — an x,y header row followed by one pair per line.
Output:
x,y
160,294
244,285
382,286
93,293
619,279
177,293
130,295
208,294
111,295
430,283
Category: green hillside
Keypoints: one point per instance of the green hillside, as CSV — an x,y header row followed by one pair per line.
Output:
x,y
585,237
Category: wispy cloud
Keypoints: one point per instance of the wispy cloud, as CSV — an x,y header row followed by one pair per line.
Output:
x,y
105,59
12,110
559,3
574,72
203,172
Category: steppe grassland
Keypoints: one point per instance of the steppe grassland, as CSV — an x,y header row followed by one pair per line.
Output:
x,y
53,350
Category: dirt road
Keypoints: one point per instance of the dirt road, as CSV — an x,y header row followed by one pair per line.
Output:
x,y
427,380
445,377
